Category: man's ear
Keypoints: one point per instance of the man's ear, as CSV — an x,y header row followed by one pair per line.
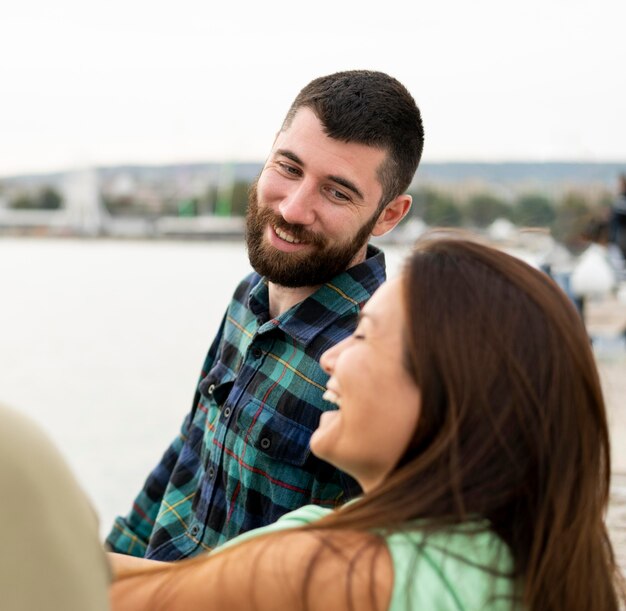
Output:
x,y
393,213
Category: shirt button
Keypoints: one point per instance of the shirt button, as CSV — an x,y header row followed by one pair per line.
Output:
x,y
226,412
266,442
194,530
211,472
257,353
210,389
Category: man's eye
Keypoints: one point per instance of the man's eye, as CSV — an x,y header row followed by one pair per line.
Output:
x,y
338,195
289,169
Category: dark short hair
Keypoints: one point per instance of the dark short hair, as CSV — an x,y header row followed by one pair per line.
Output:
x,y
370,108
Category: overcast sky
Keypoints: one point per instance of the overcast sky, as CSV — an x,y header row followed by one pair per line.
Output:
x,y
137,81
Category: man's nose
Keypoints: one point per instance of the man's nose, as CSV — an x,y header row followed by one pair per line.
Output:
x,y
298,207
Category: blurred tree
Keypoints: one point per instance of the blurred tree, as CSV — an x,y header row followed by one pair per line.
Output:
x,y
239,203
23,201
49,199
606,199
598,228
206,202
436,208
534,210
571,219
484,208
188,207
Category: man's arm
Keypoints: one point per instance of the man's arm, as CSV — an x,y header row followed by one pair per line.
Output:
x,y
130,535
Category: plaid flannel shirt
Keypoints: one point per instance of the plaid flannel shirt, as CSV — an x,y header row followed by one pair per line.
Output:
x,y
242,458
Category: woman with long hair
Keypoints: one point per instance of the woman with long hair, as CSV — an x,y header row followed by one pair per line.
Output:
x,y
471,413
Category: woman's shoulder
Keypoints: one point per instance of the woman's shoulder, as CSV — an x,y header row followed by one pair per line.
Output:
x,y
294,519
304,515
465,566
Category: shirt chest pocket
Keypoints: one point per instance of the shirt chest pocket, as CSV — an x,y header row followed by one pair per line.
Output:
x,y
273,435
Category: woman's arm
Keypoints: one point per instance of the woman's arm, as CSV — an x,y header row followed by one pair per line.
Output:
x,y
327,570
121,564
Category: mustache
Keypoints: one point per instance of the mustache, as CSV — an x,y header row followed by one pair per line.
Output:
x,y
297,231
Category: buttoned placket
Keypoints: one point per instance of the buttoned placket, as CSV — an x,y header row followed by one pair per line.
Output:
x,y
253,353
196,528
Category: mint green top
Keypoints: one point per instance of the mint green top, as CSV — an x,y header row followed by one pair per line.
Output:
x,y
451,570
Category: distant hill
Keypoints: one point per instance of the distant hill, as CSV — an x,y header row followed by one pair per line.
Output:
x,y
541,174
548,176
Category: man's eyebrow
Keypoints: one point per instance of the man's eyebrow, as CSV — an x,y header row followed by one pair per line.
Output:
x,y
344,182
347,184
290,155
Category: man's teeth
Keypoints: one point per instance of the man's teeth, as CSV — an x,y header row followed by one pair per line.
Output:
x,y
332,397
285,236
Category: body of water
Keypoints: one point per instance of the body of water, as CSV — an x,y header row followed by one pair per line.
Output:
x,y
102,343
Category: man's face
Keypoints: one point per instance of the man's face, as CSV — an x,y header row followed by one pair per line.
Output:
x,y
314,205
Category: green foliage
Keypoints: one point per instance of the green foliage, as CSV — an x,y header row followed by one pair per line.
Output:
x,y
49,199
188,207
534,210
206,202
23,201
239,198
572,217
233,202
436,208
484,208
46,199
606,200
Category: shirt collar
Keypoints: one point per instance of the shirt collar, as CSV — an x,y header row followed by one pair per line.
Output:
x,y
345,293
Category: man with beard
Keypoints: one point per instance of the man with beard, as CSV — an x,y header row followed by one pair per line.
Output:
x,y
340,164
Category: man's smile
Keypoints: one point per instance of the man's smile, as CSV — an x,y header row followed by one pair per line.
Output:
x,y
283,235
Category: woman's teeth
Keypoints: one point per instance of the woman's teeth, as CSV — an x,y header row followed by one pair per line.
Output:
x,y
285,236
332,397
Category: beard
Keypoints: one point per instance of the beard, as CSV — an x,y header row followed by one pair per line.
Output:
x,y
312,267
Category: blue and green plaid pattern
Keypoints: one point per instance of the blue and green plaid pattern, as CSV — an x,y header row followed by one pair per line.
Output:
x,y
242,458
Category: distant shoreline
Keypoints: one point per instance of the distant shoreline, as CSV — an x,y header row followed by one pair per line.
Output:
x,y
445,172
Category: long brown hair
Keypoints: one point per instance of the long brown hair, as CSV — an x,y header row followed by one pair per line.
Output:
x,y
512,427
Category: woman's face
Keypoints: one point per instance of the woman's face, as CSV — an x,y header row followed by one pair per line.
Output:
x,y
378,400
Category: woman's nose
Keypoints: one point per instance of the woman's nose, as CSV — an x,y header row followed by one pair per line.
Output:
x,y
329,358
327,361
